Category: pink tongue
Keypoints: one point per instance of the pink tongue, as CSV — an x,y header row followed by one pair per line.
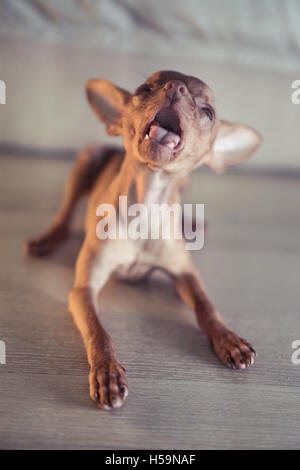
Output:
x,y
163,136
171,140
157,132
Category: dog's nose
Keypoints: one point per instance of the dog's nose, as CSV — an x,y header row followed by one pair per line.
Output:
x,y
175,89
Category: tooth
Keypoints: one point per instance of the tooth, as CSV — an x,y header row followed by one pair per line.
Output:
x,y
171,144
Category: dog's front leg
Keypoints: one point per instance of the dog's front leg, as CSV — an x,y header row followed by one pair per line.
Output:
x,y
232,350
107,380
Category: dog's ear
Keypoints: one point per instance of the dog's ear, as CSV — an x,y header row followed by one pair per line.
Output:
x,y
108,102
233,144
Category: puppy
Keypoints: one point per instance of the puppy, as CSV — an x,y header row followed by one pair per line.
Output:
x,y
169,127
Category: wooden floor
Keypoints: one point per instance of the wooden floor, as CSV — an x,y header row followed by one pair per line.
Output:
x,y
180,395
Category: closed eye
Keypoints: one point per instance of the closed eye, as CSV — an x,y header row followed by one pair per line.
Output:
x,y
209,112
143,89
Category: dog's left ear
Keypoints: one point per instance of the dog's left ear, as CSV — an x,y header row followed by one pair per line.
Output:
x,y
233,144
108,102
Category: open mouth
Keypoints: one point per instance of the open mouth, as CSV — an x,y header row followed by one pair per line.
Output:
x,y
165,129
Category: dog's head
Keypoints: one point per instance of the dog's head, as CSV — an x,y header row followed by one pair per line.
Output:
x,y
171,122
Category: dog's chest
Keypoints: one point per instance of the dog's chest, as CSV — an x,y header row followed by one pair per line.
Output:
x,y
133,272
146,255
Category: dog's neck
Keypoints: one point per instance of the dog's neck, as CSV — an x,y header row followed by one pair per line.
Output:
x,y
144,185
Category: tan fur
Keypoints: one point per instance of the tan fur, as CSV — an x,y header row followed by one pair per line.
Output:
x,y
146,173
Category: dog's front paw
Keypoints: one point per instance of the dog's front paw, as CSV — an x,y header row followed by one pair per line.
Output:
x,y
108,385
38,247
45,244
233,351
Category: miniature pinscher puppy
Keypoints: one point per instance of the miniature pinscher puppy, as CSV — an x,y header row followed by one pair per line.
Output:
x,y
169,127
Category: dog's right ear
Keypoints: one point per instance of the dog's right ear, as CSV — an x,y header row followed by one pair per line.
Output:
x,y
108,102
